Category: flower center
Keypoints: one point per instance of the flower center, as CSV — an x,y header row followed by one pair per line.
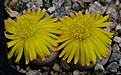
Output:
x,y
82,27
26,27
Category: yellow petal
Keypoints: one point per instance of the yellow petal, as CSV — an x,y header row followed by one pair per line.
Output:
x,y
26,51
82,53
51,25
45,19
105,24
19,53
97,16
48,44
10,36
18,47
99,46
42,13
68,49
87,54
104,37
44,48
64,44
11,52
102,19
72,15
66,21
49,39
9,25
108,34
32,49
91,51
51,35
64,38
11,43
73,51
79,14
53,30
38,48
95,49
77,54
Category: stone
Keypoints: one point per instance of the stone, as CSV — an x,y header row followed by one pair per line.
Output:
x,y
99,67
22,71
117,39
76,72
28,68
117,2
119,44
118,27
51,9
115,48
115,57
112,67
114,15
108,1
32,72
76,6
56,67
120,62
110,10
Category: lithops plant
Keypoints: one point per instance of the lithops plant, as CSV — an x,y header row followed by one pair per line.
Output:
x,y
84,40
32,34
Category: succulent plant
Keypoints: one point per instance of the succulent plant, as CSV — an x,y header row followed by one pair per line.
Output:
x,y
32,34
84,39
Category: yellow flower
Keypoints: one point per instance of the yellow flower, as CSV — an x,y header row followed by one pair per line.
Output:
x,y
32,34
84,39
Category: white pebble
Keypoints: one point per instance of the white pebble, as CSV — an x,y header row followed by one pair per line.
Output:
x,y
120,62
117,2
119,44
76,72
17,67
110,10
117,39
116,48
51,9
118,27
22,71
99,67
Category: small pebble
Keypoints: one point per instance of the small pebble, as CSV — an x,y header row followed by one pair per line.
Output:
x,y
28,68
32,72
76,72
99,67
51,9
17,67
117,39
110,10
115,57
114,15
108,1
118,27
120,62
119,44
115,48
56,67
76,6
117,2
22,71
45,73
112,67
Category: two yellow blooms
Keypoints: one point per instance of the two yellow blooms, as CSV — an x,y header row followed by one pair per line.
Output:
x,y
80,37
